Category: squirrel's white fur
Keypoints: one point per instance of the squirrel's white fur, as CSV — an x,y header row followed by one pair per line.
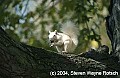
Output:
x,y
67,40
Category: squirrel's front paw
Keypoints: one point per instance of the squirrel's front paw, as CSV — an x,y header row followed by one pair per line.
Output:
x,y
52,44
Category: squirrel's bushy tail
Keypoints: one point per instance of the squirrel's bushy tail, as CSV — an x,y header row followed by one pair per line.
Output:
x,y
71,30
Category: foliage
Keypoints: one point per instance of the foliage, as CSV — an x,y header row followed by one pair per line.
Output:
x,y
29,21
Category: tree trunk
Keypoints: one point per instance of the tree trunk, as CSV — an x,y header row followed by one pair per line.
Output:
x,y
113,27
18,60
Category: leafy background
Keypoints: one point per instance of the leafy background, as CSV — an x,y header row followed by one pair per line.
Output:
x,y
29,21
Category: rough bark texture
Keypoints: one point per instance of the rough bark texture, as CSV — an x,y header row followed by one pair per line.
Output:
x,y
18,60
113,27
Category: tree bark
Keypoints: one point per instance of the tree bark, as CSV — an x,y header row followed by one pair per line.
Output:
x,y
18,60
113,27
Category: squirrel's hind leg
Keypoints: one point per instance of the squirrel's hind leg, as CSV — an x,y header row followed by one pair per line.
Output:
x,y
59,49
66,46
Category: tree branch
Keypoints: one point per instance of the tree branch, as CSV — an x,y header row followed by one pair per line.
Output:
x,y
28,61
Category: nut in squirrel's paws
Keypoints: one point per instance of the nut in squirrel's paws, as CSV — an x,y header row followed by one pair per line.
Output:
x,y
52,45
52,41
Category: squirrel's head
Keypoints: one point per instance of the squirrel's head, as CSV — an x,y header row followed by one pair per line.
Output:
x,y
53,36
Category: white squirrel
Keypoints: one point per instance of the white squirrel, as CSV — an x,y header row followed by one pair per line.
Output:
x,y
66,41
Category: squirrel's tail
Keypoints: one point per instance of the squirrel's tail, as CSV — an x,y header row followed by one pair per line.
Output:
x,y
70,29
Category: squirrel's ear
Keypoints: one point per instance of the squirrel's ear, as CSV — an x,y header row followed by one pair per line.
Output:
x,y
55,31
49,32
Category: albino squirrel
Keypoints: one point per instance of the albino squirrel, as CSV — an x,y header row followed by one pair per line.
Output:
x,y
66,41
